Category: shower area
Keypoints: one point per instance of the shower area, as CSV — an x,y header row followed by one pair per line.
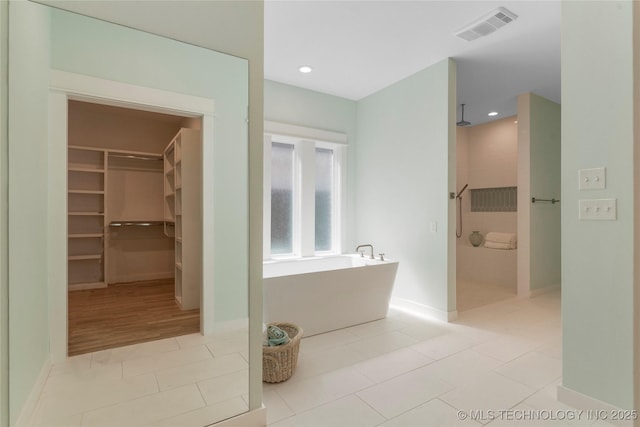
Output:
x,y
486,212
508,205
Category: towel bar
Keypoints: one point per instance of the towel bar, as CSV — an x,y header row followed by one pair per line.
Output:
x,y
552,201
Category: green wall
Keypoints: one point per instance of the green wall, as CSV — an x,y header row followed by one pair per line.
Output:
x,y
235,28
408,127
39,39
29,57
302,107
545,248
4,278
539,255
597,256
122,54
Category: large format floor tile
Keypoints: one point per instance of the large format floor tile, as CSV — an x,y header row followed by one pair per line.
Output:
x,y
392,364
306,394
491,391
145,410
158,383
434,413
82,397
532,369
405,392
400,371
199,371
348,411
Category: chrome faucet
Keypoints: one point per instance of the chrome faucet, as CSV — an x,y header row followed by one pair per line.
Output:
x,y
362,253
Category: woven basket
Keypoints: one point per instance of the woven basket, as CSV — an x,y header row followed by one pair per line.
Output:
x,y
279,362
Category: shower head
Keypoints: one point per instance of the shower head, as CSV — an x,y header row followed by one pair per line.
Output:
x,y
463,122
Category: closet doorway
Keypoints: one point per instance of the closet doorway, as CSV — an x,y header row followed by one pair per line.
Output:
x,y
134,226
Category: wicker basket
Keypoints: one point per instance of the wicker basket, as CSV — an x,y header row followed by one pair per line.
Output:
x,y
279,362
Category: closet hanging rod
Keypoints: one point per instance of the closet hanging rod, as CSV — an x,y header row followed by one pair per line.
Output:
x,y
552,201
135,223
135,156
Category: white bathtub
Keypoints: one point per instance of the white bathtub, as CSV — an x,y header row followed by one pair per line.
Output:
x,y
328,293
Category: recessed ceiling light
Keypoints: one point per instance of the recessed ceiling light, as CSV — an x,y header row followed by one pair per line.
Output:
x,y
305,69
493,113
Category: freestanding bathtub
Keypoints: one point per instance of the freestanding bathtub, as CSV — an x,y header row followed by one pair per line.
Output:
x,y
327,293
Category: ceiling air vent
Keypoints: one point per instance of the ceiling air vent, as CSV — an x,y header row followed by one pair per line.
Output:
x,y
487,24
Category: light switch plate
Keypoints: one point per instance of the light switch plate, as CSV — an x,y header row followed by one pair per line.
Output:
x,y
433,226
591,179
598,209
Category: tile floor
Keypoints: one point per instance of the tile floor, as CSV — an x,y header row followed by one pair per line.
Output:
x,y
189,380
471,294
399,371
413,372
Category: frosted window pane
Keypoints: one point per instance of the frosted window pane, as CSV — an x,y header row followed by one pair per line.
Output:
x,y
324,198
281,198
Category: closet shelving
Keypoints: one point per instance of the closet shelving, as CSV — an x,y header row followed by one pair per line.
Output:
x,y
99,210
136,223
169,189
87,214
183,213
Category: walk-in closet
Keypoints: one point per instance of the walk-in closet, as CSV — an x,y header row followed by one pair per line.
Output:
x,y
134,226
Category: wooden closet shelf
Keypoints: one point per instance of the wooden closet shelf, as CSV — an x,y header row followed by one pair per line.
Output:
x,y
136,223
86,235
86,148
84,257
91,170
86,213
86,191
144,157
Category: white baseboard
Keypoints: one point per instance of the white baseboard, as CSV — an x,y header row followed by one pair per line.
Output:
x,y
255,418
423,310
26,417
141,277
541,291
592,406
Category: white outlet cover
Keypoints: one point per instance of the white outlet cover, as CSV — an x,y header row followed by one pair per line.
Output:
x,y
591,179
598,210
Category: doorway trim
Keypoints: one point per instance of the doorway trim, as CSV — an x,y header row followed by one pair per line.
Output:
x,y
65,86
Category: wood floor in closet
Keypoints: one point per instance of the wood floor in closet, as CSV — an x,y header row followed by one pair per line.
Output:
x,y
126,313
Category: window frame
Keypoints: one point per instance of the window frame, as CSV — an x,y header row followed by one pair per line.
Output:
x,y
305,141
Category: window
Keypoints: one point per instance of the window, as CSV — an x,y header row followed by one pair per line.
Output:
x,y
281,198
302,204
324,199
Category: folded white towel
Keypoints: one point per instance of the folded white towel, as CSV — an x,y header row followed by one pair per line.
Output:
x,y
509,238
497,245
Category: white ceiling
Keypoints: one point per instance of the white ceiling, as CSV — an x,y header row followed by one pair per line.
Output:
x,y
357,47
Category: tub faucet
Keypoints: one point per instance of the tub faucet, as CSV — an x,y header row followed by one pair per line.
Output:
x,y
365,246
